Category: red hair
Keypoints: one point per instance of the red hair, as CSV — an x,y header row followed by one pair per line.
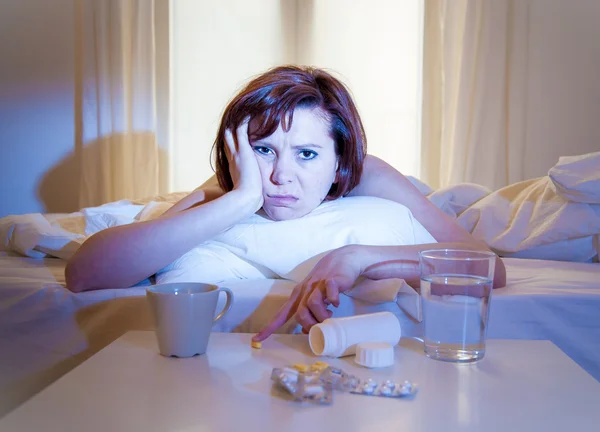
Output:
x,y
272,97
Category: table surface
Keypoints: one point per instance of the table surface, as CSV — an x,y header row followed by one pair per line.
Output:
x,y
519,386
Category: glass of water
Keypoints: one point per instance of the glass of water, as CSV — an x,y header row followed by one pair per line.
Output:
x,y
456,290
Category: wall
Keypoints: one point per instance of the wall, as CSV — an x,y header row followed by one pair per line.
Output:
x,y
38,121
215,47
162,21
375,48
36,105
563,88
37,88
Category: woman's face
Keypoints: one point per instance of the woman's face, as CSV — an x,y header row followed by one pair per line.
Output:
x,y
298,167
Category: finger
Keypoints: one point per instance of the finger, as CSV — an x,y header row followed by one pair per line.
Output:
x,y
242,135
230,147
332,292
305,318
283,315
317,306
280,318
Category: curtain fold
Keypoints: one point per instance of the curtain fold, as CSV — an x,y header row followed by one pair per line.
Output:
x,y
115,74
474,91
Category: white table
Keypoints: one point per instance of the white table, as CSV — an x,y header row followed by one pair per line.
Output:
x,y
128,386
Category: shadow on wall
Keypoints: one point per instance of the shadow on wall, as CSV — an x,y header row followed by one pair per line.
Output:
x,y
114,167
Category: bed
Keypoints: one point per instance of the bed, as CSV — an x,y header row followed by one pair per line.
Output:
x,y
553,289
45,330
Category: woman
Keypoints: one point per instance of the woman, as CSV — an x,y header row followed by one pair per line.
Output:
x,y
289,140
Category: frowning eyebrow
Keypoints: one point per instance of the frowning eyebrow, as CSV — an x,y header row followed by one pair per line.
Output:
x,y
295,147
309,145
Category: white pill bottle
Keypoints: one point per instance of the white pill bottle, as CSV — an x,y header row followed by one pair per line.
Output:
x,y
338,337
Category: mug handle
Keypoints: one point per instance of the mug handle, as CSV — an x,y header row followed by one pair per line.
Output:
x,y
228,303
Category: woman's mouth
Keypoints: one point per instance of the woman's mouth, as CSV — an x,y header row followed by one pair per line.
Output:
x,y
281,200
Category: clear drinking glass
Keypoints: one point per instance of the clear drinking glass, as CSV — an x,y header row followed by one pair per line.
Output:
x,y
456,290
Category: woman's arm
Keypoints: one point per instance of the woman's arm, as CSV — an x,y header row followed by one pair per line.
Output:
x,y
385,262
122,256
338,271
381,180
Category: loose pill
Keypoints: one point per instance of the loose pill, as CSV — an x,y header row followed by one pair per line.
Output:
x,y
256,344
301,367
319,366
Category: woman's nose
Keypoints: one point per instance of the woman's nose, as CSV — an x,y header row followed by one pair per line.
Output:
x,y
282,172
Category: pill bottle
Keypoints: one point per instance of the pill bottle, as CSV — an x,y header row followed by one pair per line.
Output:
x,y
338,337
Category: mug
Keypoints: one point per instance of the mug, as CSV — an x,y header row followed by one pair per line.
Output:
x,y
184,314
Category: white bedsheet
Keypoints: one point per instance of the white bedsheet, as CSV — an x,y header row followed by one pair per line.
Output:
x,y
45,330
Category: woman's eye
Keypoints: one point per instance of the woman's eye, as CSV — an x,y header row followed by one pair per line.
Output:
x,y
262,150
308,154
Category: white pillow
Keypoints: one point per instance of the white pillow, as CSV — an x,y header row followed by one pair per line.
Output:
x,y
275,248
577,178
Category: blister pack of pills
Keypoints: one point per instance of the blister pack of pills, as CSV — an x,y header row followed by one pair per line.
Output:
x,y
386,388
340,380
303,385
317,382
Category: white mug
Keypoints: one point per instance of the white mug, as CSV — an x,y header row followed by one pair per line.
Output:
x,y
184,314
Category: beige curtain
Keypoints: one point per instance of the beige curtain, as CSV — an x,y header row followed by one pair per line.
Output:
x,y
474,81
115,107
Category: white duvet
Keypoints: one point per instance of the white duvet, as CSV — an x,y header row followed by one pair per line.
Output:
x,y
555,217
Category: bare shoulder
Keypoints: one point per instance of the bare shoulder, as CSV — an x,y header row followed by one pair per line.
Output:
x,y
382,180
